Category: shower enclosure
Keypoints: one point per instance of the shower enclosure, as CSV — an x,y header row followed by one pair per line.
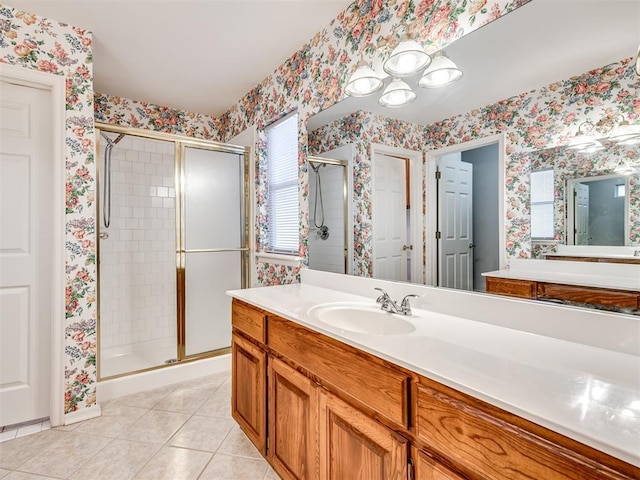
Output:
x,y
172,228
328,213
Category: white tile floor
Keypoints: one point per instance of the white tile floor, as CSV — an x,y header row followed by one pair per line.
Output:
x,y
180,432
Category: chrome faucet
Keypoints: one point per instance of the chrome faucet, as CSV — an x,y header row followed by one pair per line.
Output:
x,y
387,304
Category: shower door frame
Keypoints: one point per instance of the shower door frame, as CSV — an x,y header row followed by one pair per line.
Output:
x,y
180,144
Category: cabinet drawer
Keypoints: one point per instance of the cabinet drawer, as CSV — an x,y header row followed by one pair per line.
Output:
x,y
249,320
488,447
597,296
510,287
359,375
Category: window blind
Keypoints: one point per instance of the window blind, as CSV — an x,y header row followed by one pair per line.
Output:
x,y
282,186
542,195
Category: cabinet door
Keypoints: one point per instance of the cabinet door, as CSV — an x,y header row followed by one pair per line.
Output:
x,y
293,423
426,468
249,390
356,447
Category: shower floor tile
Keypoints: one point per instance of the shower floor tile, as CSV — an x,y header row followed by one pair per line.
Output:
x,y
182,431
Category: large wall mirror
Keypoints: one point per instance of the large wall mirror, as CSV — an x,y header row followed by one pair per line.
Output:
x,y
535,50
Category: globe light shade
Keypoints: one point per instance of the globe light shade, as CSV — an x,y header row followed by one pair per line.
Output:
x,y
397,94
442,71
363,82
407,59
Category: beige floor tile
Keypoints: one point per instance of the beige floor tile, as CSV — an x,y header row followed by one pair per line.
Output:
x,y
16,452
26,476
183,400
66,455
172,463
115,419
226,467
4,472
226,386
202,433
120,460
218,405
146,399
155,426
209,382
237,444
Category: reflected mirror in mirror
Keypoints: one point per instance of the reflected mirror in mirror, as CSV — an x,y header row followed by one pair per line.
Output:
x,y
520,60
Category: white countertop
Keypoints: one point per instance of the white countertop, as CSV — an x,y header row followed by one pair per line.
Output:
x,y
574,371
600,275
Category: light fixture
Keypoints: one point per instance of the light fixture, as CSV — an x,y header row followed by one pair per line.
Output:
x,y
363,81
442,71
407,59
397,94
585,140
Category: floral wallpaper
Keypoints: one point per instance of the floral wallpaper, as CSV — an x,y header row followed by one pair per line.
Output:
x,y
542,118
38,43
132,113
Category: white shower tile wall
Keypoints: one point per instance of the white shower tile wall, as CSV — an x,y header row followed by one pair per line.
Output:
x,y
137,260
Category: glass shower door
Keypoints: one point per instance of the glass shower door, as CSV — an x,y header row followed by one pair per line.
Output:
x,y
213,253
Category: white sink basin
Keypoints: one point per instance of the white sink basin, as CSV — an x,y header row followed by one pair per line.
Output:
x,y
361,318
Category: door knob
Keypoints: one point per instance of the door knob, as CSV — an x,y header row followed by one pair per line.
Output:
x,y
407,247
471,245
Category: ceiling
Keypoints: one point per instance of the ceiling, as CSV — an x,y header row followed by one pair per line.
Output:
x,y
199,56
540,43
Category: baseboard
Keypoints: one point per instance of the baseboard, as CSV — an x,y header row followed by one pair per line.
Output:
x,y
138,382
82,415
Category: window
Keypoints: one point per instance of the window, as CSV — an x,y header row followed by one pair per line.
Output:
x,y
542,194
620,190
282,186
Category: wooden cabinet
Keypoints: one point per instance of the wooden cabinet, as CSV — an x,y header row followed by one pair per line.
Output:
x,y
575,294
293,422
427,468
338,413
355,447
249,392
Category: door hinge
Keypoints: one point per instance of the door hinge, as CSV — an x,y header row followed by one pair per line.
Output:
x,y
411,474
438,175
438,235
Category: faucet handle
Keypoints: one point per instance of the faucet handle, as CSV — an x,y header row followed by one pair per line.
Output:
x,y
405,300
382,298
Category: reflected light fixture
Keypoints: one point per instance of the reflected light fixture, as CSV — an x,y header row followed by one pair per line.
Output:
x,y
442,71
397,94
585,140
363,81
407,59
626,134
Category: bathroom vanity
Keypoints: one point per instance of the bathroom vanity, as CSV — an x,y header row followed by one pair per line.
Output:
x,y
471,386
614,286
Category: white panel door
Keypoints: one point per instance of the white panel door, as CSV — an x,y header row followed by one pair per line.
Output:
x,y
455,223
26,271
389,218
582,214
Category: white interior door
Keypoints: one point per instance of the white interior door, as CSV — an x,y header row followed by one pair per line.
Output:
x,y
26,256
389,218
455,223
582,214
